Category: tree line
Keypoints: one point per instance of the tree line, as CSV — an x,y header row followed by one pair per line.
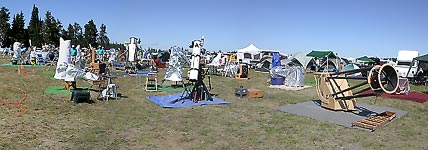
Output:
x,y
48,31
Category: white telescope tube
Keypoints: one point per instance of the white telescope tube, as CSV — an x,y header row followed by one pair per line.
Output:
x,y
196,56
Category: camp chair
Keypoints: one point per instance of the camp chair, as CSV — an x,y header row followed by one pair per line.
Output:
x,y
403,86
110,89
105,87
40,60
151,82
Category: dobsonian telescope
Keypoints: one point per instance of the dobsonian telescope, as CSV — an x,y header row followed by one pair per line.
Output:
x,y
335,93
196,75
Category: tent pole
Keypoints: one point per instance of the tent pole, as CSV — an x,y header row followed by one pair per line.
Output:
x,y
411,65
327,65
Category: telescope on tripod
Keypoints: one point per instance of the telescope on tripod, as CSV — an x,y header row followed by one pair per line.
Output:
x,y
196,75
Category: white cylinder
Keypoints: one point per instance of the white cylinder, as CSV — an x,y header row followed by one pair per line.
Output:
x,y
194,66
16,50
64,58
131,52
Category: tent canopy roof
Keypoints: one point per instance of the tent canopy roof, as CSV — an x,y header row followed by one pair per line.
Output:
x,y
365,59
423,58
300,58
250,49
320,54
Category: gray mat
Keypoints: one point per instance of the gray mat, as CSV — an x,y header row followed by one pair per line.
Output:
x,y
313,109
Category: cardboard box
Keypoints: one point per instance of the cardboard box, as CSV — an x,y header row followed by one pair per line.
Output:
x,y
255,93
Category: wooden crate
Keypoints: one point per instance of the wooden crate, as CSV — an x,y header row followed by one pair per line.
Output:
x,y
255,93
375,122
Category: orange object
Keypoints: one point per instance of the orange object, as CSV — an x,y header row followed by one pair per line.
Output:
x,y
159,63
255,93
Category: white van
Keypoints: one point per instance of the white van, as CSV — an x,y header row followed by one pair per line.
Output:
x,y
404,60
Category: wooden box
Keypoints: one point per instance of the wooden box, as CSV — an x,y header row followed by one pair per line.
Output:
x,y
255,93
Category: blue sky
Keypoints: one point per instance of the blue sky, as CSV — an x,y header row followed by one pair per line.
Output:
x,y
351,28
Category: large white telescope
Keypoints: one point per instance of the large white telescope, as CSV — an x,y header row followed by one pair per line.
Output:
x,y
196,56
132,48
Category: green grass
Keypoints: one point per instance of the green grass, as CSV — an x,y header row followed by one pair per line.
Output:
x,y
54,122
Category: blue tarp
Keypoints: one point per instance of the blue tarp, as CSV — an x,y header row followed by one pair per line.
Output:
x,y
276,60
170,101
117,64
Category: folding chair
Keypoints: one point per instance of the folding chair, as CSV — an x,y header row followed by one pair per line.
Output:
x,y
151,82
110,90
40,60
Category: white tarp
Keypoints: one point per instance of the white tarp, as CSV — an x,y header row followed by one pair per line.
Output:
x,y
177,60
64,59
72,72
293,75
17,51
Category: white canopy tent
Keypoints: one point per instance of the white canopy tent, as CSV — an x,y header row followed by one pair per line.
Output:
x,y
253,50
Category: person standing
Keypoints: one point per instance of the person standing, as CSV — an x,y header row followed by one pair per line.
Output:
x,y
73,53
33,56
100,52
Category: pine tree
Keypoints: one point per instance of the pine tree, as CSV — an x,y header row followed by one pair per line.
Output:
x,y
35,27
51,29
4,27
103,40
91,33
18,33
78,35
70,32
65,34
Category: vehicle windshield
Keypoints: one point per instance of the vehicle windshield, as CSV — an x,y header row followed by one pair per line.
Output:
x,y
404,63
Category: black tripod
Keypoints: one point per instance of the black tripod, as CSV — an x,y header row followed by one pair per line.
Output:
x,y
199,91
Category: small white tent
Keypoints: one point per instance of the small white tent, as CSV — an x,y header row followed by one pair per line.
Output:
x,y
301,58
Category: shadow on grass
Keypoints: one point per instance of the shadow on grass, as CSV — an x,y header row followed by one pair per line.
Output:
x,y
360,111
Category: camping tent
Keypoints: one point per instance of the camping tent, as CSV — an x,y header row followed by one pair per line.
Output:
x,y
301,59
321,54
263,66
365,59
352,67
423,64
324,54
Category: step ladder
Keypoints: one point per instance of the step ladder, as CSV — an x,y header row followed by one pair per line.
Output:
x,y
151,82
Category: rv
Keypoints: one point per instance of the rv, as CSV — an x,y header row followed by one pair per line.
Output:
x,y
404,61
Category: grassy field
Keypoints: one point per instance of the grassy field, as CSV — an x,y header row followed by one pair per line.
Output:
x,y
53,122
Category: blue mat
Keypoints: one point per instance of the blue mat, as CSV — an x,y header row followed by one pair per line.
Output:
x,y
167,101
117,64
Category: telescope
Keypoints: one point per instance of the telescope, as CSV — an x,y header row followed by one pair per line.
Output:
x,y
335,92
196,56
199,91
132,48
